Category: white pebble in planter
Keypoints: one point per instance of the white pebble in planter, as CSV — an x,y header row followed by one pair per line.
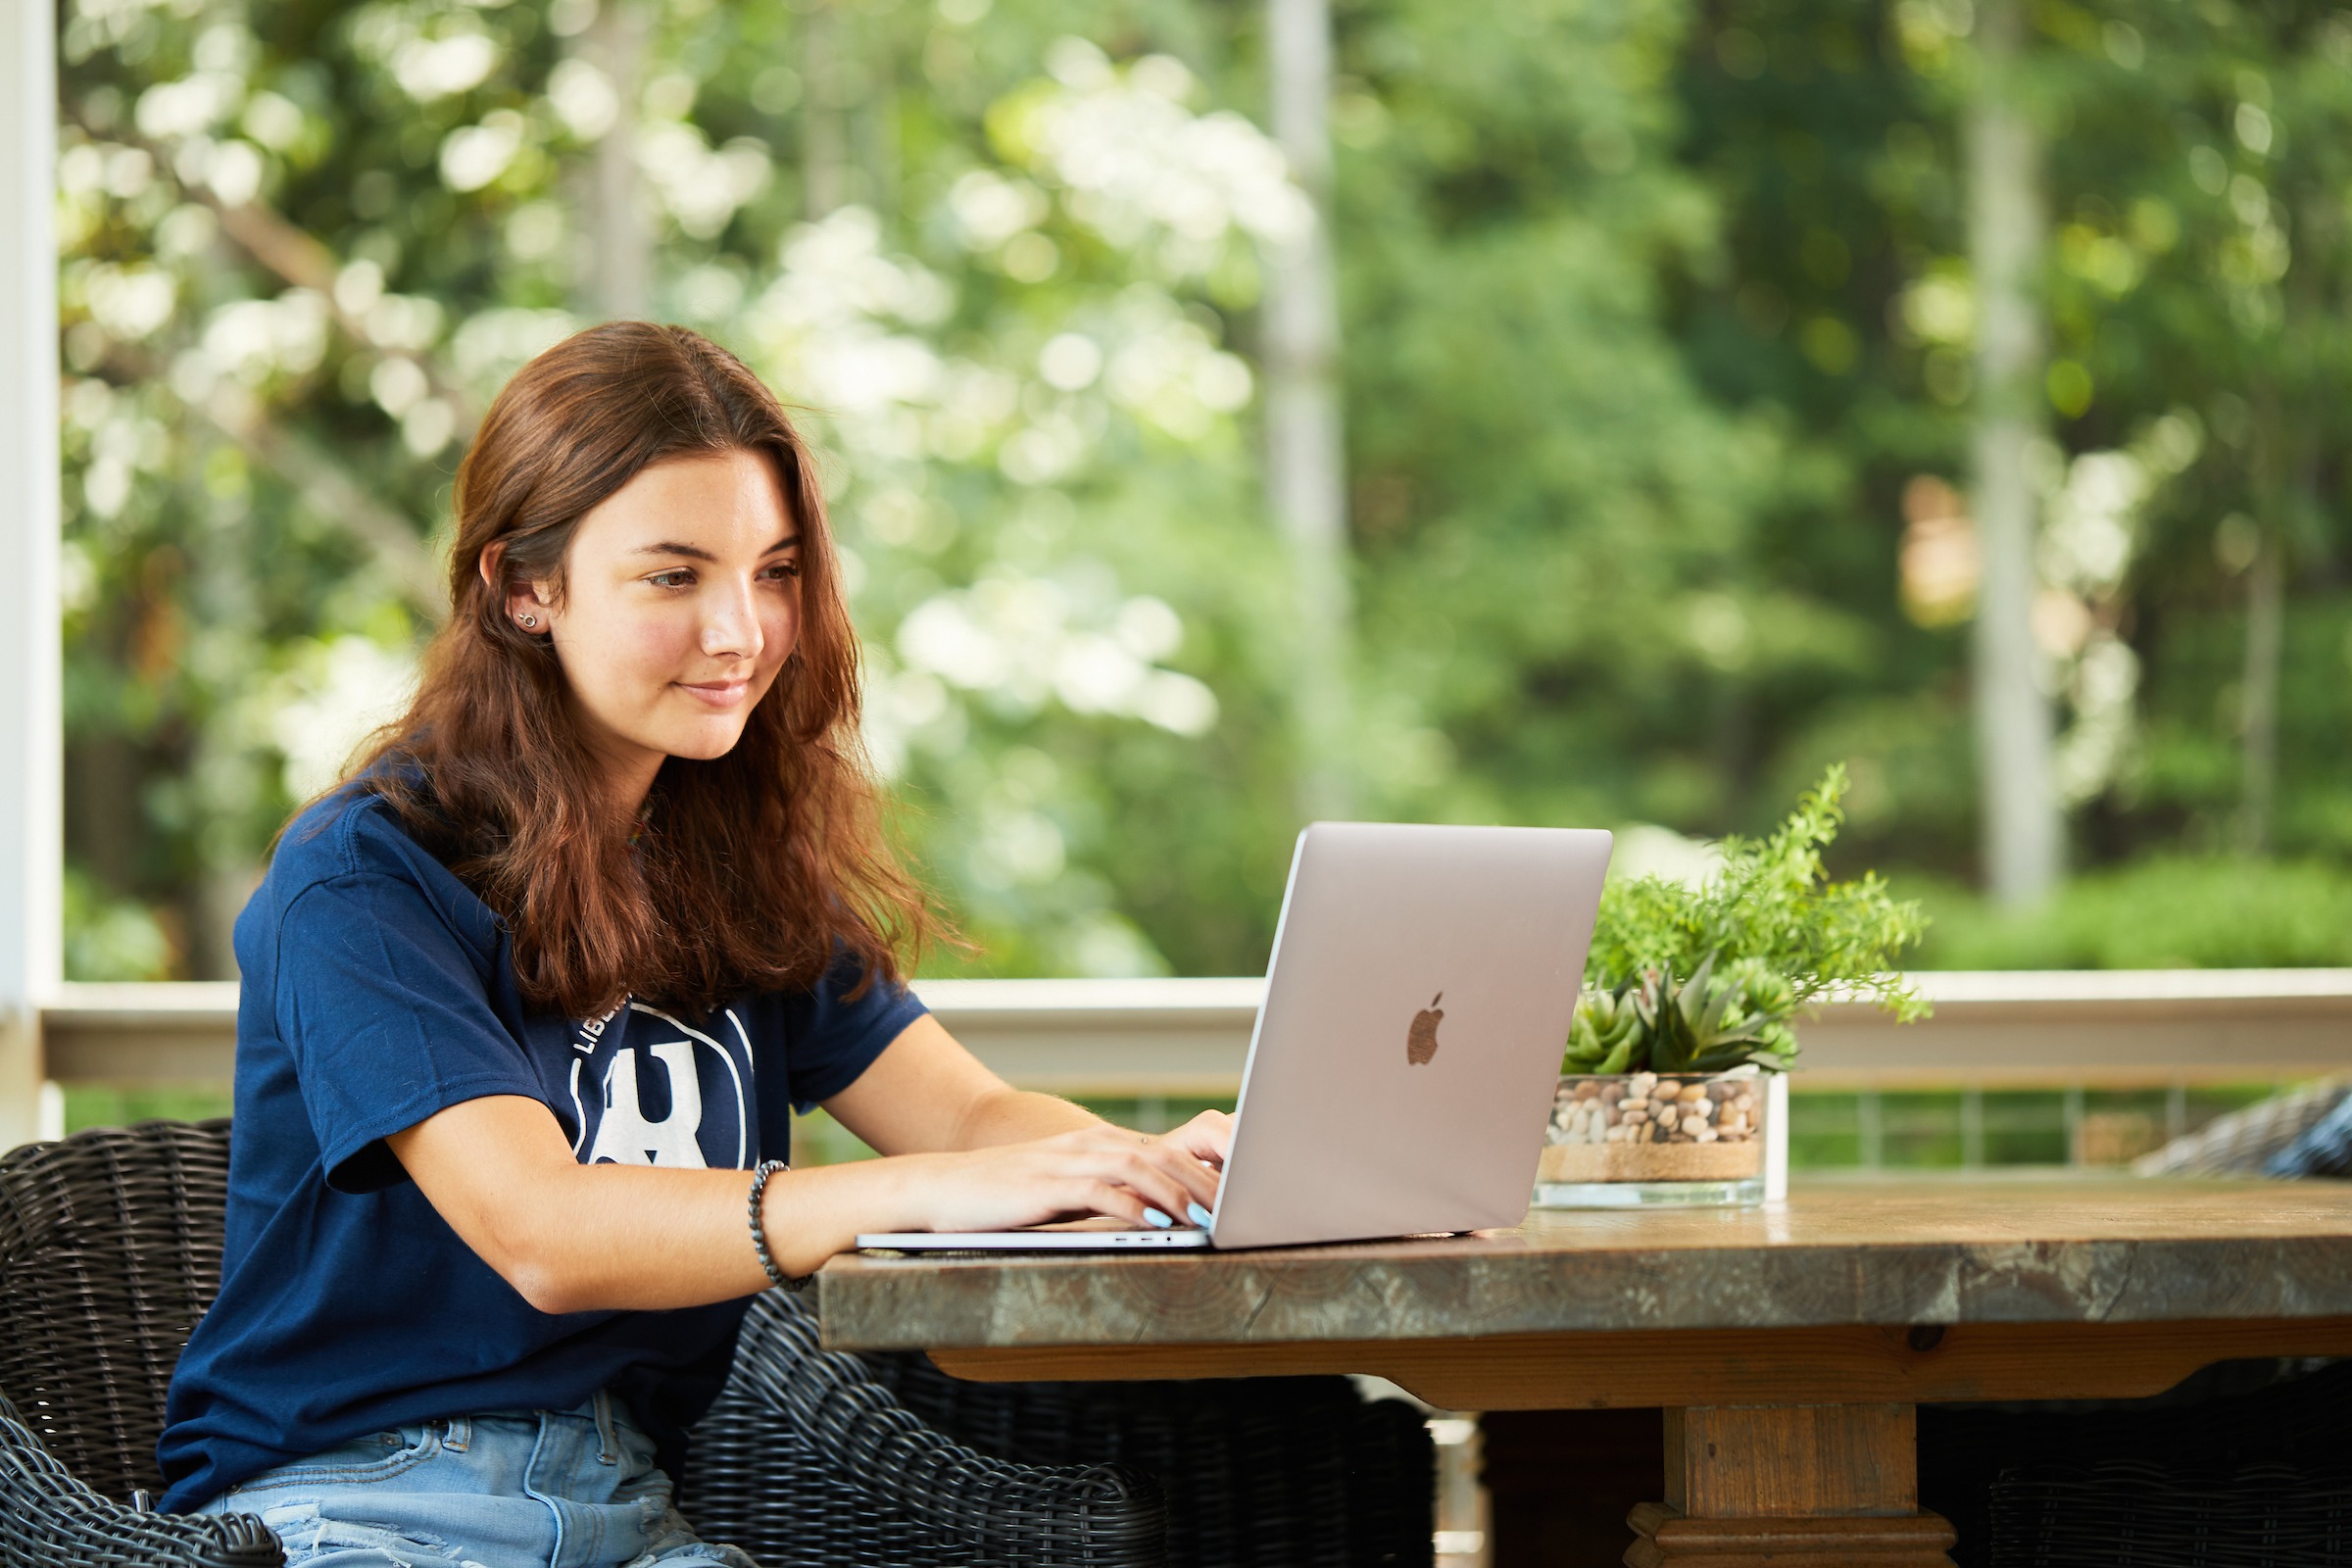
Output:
x,y
1626,1140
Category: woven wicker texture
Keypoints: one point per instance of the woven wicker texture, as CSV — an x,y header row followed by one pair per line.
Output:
x,y
807,1460
1985,1467
50,1520
109,1248
1297,1472
2126,1514
1259,1472
2243,1142
2323,1149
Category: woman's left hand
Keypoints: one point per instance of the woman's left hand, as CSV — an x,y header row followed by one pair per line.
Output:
x,y
1208,1139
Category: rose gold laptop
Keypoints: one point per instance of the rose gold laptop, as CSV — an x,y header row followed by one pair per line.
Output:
x,y
1403,1062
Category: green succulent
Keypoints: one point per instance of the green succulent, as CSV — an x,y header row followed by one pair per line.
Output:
x,y
1604,1034
1712,1021
1767,935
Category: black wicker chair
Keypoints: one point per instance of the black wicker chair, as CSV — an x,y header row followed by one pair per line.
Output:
x,y
101,1277
2246,1462
110,1250
2123,1513
806,1459
1258,1472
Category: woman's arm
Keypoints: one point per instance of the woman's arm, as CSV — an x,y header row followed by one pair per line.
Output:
x,y
967,1154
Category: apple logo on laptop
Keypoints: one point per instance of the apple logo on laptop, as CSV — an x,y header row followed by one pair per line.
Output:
x,y
1421,1040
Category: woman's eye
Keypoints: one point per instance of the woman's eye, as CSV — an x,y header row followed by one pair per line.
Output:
x,y
785,568
670,580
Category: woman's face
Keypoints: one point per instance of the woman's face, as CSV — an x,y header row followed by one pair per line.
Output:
x,y
681,601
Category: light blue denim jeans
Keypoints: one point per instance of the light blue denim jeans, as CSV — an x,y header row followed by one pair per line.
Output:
x,y
509,1488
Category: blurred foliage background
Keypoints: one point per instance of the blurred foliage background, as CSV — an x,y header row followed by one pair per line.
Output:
x,y
1656,336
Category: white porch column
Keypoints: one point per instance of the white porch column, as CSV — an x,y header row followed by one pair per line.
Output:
x,y
1306,458
31,744
2025,821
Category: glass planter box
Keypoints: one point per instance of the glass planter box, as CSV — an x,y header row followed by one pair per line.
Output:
x,y
1626,1140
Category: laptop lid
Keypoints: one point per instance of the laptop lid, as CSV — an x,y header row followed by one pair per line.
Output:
x,y
1417,1001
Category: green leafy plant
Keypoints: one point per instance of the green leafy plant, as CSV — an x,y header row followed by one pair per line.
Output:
x,y
1702,979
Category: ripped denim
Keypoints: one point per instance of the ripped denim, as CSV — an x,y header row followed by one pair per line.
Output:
x,y
509,1488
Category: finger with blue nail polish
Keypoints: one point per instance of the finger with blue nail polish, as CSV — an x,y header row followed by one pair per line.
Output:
x,y
1158,1220
1201,1216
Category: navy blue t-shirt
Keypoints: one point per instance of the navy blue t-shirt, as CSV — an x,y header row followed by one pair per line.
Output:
x,y
378,990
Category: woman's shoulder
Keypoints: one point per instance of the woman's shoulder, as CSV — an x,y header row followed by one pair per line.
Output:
x,y
354,832
347,855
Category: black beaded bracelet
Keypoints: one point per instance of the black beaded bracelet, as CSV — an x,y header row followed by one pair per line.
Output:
x,y
781,1280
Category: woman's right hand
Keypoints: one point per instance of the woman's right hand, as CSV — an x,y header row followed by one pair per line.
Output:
x,y
1093,1170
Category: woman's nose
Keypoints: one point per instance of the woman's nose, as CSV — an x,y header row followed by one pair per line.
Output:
x,y
731,627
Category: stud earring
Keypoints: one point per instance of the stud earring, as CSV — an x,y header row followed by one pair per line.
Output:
x,y
528,622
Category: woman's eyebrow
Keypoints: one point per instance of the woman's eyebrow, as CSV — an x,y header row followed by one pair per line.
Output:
x,y
671,547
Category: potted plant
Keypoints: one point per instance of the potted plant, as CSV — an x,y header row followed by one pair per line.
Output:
x,y
1690,1002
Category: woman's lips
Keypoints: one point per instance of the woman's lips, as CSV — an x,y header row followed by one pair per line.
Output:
x,y
717,693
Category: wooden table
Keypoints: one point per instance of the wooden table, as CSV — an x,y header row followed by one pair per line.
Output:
x,y
1788,1345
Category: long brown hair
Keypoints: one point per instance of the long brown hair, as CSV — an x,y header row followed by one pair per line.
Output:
x,y
753,869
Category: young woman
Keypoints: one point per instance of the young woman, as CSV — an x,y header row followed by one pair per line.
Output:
x,y
530,998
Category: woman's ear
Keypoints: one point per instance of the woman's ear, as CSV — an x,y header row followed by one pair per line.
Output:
x,y
527,603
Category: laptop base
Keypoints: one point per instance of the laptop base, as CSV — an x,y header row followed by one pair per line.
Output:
x,y
1038,1241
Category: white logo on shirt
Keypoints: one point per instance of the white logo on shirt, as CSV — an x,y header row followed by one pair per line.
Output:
x,y
626,1137
613,1126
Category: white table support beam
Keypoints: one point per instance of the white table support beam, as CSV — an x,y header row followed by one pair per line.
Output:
x,y
31,812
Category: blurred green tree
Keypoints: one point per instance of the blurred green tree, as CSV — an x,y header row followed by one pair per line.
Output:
x,y
304,243
1657,320
2188,612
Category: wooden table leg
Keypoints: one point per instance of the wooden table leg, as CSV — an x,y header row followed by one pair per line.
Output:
x,y
1813,1486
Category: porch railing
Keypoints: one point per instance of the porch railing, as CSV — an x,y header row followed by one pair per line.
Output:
x,y
1188,1038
